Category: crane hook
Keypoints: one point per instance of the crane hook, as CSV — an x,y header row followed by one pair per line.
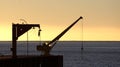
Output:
x,y
39,32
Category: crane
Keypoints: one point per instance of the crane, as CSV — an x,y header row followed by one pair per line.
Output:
x,y
47,46
17,31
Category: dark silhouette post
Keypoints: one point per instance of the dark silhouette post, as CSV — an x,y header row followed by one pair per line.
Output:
x,y
14,38
17,31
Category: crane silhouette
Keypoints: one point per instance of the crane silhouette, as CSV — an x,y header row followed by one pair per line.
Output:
x,y
47,46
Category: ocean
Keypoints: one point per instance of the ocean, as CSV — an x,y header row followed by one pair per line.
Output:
x,y
95,53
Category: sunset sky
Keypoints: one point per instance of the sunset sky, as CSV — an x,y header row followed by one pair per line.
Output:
x,y
101,18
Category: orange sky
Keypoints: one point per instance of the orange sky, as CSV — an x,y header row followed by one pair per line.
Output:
x,y
101,18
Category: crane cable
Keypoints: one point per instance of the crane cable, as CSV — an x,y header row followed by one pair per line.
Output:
x,y
27,45
39,34
82,35
24,21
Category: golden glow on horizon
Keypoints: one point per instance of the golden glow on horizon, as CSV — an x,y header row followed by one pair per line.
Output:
x,y
88,34
101,18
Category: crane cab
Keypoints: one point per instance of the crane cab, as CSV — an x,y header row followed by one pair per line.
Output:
x,y
44,48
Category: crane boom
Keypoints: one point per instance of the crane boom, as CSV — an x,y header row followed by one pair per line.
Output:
x,y
62,33
46,47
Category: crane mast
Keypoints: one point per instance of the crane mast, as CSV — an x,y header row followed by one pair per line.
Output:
x,y
46,47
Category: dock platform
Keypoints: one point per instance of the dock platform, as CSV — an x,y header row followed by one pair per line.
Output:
x,y
32,61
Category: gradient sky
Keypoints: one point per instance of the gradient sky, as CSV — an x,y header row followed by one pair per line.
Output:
x,y
101,18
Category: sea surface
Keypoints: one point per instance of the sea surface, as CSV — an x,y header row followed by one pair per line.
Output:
x,y
95,53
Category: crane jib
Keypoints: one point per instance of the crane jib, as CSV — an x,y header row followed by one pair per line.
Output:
x,y
61,34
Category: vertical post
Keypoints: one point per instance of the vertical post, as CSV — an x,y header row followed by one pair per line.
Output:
x,y
14,38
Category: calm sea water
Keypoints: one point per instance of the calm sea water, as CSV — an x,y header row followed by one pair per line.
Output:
x,y
95,53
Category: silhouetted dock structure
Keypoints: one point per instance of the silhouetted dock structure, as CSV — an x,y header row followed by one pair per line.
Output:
x,y
31,61
45,60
